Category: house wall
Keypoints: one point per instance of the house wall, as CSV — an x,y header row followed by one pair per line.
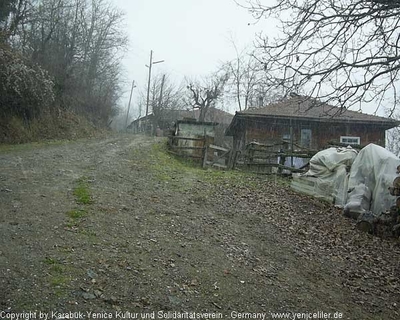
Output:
x,y
331,133
195,129
322,133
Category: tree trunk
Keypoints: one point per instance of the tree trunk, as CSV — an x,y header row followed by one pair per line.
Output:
x,y
203,112
366,222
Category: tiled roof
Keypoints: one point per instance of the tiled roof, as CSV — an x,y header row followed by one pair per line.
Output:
x,y
213,115
304,107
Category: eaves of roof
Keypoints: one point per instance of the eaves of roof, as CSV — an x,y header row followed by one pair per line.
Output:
x,y
385,124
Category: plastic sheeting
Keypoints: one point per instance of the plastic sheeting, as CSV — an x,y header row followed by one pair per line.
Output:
x,y
359,199
329,168
373,171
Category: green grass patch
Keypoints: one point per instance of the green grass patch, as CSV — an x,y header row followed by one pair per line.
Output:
x,y
168,166
82,193
56,268
181,173
57,277
58,280
72,224
90,235
77,214
49,261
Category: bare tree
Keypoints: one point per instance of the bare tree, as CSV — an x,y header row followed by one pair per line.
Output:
x,y
204,94
345,52
244,73
165,98
247,81
12,14
79,42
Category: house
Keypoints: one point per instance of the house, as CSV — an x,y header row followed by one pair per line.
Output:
x,y
140,124
304,122
169,117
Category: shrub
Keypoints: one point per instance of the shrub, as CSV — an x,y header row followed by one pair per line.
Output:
x,y
25,88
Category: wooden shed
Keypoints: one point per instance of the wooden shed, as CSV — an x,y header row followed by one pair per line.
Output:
x,y
194,136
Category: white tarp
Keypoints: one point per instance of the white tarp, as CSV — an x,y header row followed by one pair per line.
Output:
x,y
373,171
328,174
358,199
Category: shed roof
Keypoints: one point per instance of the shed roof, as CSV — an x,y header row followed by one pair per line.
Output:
x,y
309,109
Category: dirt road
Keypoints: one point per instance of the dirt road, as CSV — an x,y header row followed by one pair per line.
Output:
x,y
116,225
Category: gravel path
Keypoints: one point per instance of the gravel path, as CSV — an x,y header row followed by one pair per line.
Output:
x,y
157,235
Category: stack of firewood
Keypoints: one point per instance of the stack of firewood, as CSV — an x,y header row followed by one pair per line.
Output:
x,y
386,223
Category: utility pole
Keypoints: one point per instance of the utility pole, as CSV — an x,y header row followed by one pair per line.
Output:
x,y
161,91
157,115
129,105
148,84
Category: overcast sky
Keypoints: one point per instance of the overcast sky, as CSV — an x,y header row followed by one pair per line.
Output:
x,y
192,36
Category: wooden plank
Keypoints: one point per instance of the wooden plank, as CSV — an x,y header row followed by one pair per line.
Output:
x,y
265,155
217,158
185,155
213,146
304,180
306,188
217,165
306,185
185,138
276,165
187,148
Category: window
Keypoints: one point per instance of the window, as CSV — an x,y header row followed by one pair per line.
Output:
x,y
305,138
350,140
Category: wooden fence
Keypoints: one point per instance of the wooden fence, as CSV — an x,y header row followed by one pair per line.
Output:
x,y
271,159
187,147
200,149
259,158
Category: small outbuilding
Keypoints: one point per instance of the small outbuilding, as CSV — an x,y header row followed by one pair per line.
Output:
x,y
192,136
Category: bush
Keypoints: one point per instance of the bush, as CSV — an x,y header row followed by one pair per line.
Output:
x,y
25,89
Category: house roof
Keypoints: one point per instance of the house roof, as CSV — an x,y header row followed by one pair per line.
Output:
x,y
197,123
309,109
213,115
172,115
220,116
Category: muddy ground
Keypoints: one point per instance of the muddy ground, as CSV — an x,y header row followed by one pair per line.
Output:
x,y
116,224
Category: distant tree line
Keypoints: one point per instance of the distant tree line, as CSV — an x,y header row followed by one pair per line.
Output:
x,y
60,54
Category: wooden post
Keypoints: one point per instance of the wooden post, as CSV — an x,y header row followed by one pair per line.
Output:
x,y
205,151
228,159
291,142
282,160
235,156
250,153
